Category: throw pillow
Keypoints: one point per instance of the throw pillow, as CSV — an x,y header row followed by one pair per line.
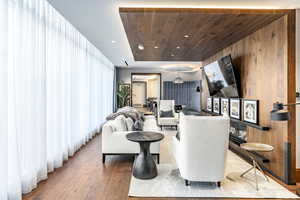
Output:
x,y
120,123
138,125
129,124
142,116
178,135
166,113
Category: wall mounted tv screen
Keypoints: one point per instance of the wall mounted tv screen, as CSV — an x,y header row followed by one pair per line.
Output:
x,y
221,79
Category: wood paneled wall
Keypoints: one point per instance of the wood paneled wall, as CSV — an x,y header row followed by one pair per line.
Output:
x,y
265,63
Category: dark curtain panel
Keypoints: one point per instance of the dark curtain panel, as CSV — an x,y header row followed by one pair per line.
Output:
x,y
183,94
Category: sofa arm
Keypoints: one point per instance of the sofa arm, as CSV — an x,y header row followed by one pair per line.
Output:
x,y
176,149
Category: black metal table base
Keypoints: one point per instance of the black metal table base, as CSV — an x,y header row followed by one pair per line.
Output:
x,y
144,166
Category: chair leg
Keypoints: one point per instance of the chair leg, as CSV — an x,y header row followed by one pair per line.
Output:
x,y
262,171
103,158
187,183
219,183
254,165
158,159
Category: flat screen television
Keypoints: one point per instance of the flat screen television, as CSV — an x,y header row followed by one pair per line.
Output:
x,y
221,78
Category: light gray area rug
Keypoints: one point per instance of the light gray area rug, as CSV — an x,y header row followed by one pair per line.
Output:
x,y
168,183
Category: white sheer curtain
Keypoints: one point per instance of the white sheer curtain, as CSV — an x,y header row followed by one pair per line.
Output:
x,y
56,89
3,99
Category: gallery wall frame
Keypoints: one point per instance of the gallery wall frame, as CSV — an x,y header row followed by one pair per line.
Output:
x,y
225,106
209,104
216,105
250,110
235,108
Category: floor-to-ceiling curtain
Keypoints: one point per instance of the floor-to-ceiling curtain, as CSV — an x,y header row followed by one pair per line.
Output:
x,y
3,100
56,89
183,94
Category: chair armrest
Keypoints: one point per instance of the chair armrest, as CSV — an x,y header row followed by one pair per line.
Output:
x,y
176,115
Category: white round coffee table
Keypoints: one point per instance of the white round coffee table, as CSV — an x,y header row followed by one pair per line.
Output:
x,y
256,147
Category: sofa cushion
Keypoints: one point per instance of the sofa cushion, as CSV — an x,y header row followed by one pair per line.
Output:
x,y
120,123
168,113
138,125
129,124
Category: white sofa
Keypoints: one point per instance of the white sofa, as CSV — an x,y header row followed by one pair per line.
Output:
x,y
114,141
167,105
201,151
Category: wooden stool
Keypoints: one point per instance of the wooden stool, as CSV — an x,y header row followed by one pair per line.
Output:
x,y
256,147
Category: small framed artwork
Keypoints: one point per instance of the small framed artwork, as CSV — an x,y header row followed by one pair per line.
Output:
x,y
235,108
216,105
225,106
250,111
209,104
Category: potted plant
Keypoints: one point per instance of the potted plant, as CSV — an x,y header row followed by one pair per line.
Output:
x,y
123,95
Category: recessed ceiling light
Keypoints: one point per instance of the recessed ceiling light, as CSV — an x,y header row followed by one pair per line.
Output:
x,y
172,55
141,47
155,47
186,36
178,47
113,41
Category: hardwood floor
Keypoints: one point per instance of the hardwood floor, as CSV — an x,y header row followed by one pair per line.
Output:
x,y
84,177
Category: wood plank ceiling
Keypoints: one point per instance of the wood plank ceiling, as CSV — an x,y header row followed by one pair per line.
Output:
x,y
172,34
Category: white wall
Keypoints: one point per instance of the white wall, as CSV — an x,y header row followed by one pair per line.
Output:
x,y
153,88
125,74
298,88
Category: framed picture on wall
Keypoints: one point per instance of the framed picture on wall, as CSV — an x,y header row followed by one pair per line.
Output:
x,y
250,111
225,106
235,108
209,104
216,105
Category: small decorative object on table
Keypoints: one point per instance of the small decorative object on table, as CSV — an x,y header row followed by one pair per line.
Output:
x,y
235,108
250,111
255,147
216,106
144,166
209,104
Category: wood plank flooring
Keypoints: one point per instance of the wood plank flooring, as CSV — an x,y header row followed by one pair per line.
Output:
x,y
84,177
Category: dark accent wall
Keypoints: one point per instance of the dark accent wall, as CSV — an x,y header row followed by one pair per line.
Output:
x,y
183,94
265,62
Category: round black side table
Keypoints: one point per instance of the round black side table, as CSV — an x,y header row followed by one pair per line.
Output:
x,y
144,166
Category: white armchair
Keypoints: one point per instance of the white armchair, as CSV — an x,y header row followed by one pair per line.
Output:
x,y
201,151
167,105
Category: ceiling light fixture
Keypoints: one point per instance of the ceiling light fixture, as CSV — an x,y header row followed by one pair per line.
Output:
x,y
178,79
113,41
181,67
141,47
178,47
186,36
155,47
172,55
